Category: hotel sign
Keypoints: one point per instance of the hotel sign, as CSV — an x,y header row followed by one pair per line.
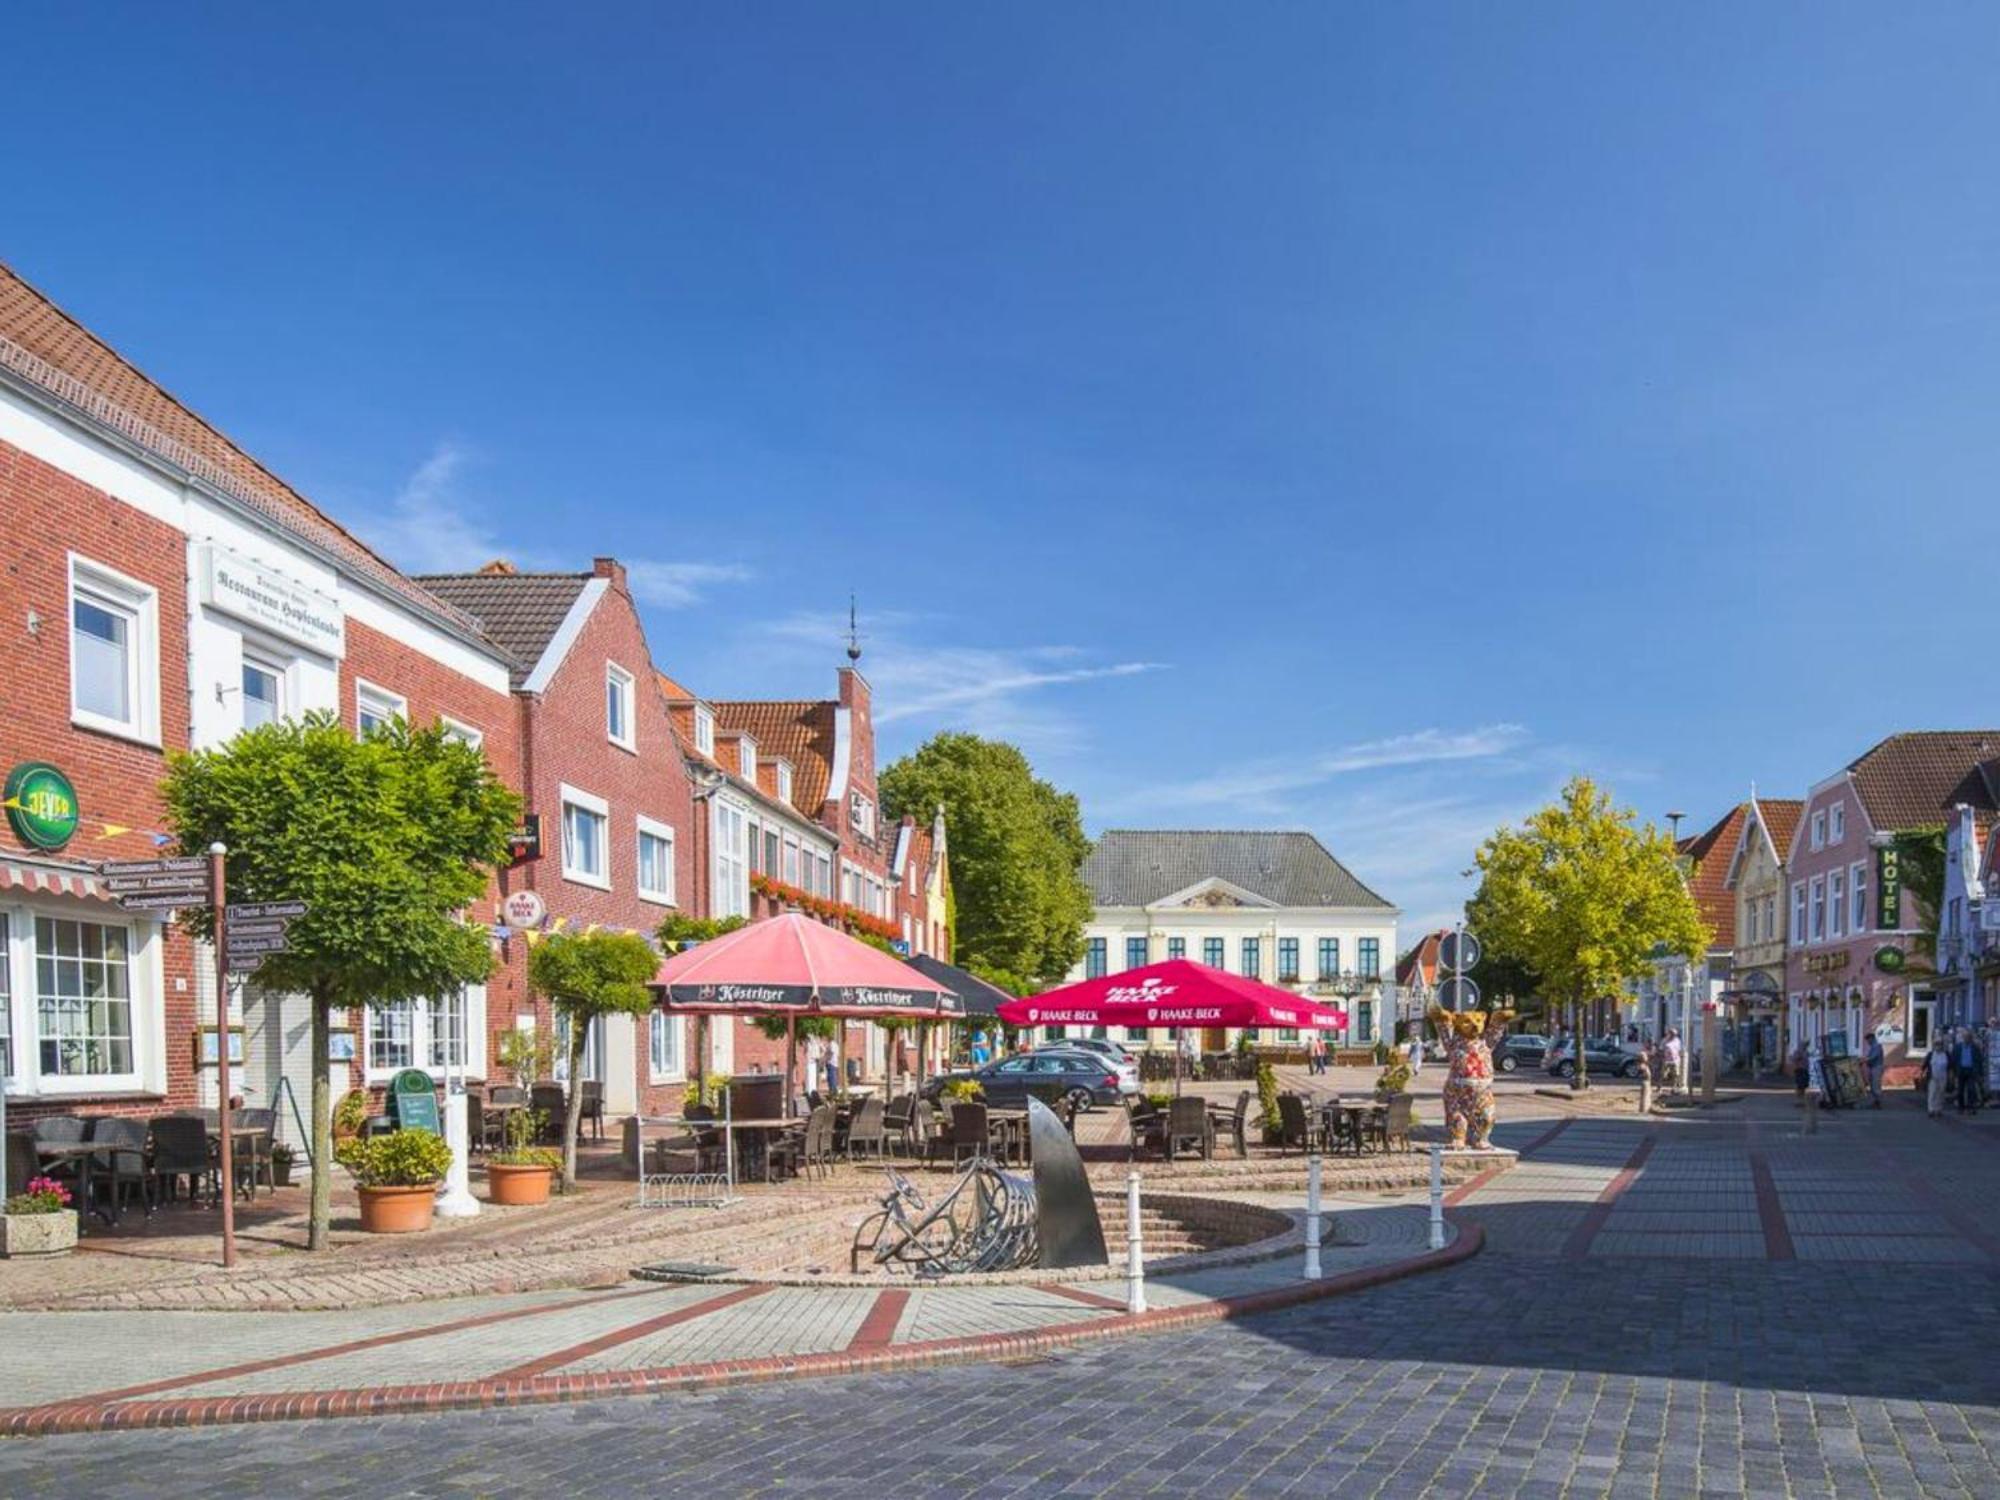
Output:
x,y
1888,888
272,602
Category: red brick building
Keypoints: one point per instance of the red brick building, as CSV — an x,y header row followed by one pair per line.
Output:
x,y
165,590
602,772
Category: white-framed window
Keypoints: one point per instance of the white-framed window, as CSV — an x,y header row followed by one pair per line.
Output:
x,y
585,853
1836,903
1771,918
784,781
732,860
375,707
746,758
1798,914
1836,828
1818,908
824,864
663,1047
656,862
792,861
1857,892
704,731
435,1035
861,813
465,734
114,652
619,724
263,697
1819,829
83,1000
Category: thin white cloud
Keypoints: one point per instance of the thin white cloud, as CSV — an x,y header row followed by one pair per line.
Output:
x,y
1262,785
676,585
431,526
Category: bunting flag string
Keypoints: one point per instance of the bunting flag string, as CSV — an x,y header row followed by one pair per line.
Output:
x,y
109,830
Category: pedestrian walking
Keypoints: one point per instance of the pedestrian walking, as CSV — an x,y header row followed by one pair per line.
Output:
x,y
1970,1067
1671,1053
1937,1065
1413,1054
1801,1072
1872,1060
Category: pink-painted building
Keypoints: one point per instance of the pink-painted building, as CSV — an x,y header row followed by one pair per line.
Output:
x,y
1852,963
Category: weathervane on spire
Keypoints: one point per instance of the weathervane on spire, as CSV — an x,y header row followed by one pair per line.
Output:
x,y
853,632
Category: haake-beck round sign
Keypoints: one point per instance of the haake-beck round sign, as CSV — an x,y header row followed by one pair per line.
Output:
x,y
523,909
41,805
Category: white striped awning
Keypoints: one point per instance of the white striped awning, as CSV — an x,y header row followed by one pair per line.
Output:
x,y
54,880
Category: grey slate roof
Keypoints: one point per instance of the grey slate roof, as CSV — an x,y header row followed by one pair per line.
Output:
x,y
521,612
1131,867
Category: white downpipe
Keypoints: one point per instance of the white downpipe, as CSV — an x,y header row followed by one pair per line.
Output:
x,y
1135,1265
1312,1217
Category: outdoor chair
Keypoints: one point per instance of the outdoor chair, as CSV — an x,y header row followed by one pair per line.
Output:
x,y
254,1160
20,1163
62,1130
868,1134
549,1100
1239,1122
785,1151
593,1108
711,1151
122,1165
819,1139
971,1136
814,1098
896,1119
1295,1126
1187,1127
180,1149
508,1094
1148,1126
1389,1124
927,1141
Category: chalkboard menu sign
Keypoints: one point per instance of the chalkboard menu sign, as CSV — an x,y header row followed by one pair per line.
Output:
x,y
1846,1082
414,1102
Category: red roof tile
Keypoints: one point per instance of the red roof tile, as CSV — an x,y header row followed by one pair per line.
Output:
x,y
800,732
1914,779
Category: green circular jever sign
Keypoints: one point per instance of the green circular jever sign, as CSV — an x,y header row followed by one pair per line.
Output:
x,y
41,805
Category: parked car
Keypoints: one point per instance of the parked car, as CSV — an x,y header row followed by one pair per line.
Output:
x,y
1112,1052
1086,1077
1606,1057
1520,1052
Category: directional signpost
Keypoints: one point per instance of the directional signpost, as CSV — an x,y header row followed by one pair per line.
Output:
x,y
256,930
157,884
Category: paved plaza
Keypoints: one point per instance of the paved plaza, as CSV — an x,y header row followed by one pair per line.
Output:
x,y
1711,1305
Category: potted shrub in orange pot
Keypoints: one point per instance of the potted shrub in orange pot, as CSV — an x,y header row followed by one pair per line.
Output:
x,y
520,1174
397,1176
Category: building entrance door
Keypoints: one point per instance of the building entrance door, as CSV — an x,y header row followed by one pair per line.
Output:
x,y
1214,1039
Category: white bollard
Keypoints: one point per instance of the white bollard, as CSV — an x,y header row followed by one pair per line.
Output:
x,y
1437,1197
1135,1265
1312,1218
455,1200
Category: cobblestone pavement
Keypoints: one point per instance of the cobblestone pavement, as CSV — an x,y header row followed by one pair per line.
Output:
x,y
1743,1362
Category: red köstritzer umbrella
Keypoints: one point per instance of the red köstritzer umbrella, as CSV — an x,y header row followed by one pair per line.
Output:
x,y
791,965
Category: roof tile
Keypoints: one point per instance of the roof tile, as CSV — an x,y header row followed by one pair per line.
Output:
x,y
1131,867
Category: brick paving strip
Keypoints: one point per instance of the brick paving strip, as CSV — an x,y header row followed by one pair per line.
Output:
x,y
538,1380
879,1327
1578,1244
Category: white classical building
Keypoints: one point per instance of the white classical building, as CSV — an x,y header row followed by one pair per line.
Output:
x,y
1275,906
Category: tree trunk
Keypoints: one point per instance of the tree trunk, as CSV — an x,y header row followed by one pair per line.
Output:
x,y
1581,1080
320,1216
579,1034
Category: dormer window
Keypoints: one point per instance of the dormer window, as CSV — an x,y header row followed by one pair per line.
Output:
x,y
1837,823
704,731
746,758
1819,830
784,781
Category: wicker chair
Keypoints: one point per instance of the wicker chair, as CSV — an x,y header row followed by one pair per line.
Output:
x,y
255,1161
1187,1127
1390,1123
549,1100
819,1139
122,1165
1240,1121
896,1119
971,1137
180,1149
868,1135
1148,1126
927,1141
1295,1126
593,1109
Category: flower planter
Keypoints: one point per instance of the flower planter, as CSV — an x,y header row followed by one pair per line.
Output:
x,y
397,1210
281,1173
38,1234
519,1185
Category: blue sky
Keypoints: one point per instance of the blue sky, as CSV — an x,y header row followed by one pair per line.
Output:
x,y
1348,417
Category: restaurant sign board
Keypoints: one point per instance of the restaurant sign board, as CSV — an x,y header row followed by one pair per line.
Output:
x,y
266,598
41,805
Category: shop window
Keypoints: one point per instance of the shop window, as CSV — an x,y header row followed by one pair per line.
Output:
x,y
434,1035
83,994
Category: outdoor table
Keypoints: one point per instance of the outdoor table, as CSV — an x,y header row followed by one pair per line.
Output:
x,y
75,1151
1350,1117
1013,1125
730,1128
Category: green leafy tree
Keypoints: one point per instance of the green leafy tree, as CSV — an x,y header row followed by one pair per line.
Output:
x,y
587,975
1584,897
386,840
1016,846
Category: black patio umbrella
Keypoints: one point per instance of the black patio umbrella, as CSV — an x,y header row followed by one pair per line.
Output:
x,y
965,993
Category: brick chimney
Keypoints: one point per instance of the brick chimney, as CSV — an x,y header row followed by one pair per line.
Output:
x,y
612,568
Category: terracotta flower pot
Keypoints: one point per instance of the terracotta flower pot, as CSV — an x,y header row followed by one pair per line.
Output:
x,y
397,1210
519,1185
38,1234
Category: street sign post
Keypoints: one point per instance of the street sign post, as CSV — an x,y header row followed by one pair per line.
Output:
x,y
265,911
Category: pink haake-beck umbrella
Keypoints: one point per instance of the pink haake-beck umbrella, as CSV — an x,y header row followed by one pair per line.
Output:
x,y
1178,992
792,964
